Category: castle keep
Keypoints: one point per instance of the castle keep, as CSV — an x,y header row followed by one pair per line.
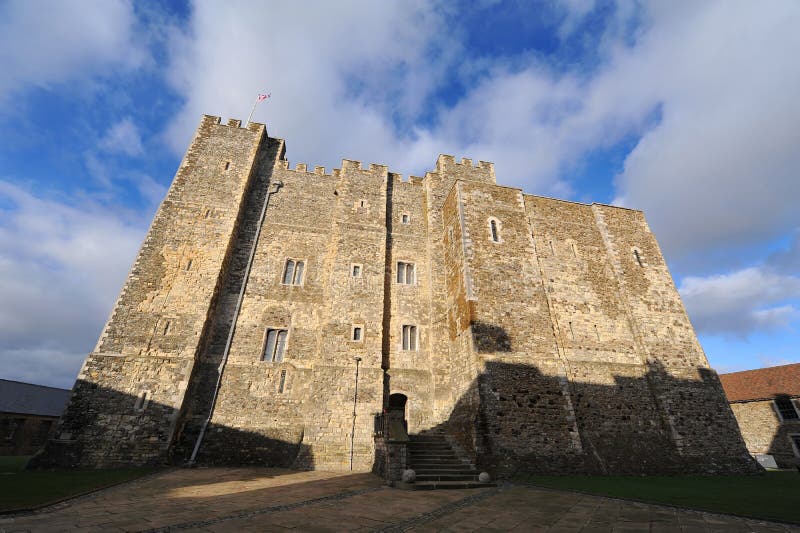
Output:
x,y
533,334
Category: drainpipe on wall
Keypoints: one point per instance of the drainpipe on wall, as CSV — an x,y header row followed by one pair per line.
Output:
x,y
273,189
355,401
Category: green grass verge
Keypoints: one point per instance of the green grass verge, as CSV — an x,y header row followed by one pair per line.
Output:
x,y
774,495
23,489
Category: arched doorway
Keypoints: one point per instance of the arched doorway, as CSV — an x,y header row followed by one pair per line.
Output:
x,y
396,413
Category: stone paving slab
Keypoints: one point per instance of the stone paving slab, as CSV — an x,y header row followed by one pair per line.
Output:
x,y
260,499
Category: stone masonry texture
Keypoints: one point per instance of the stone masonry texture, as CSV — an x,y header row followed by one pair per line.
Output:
x,y
548,335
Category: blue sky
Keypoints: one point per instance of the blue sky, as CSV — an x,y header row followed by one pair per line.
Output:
x,y
686,110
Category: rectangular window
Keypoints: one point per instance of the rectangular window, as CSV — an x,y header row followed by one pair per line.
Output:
x,y
357,333
274,345
786,408
282,383
356,271
189,265
405,273
227,165
409,337
293,272
405,218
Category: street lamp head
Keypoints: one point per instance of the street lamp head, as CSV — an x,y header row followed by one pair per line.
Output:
x,y
357,358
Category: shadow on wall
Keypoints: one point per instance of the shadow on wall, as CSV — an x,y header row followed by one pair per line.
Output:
x,y
514,418
785,443
489,338
104,428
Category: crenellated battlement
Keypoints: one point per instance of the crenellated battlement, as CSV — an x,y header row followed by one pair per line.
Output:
x,y
212,120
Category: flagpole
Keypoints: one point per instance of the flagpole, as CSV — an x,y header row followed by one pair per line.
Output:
x,y
251,112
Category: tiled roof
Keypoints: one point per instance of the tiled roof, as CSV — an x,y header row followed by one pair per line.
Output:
x,y
30,399
762,383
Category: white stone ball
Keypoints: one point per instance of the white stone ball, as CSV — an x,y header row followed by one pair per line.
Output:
x,y
484,477
409,476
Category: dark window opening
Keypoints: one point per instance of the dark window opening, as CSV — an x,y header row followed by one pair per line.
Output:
x,y
282,383
786,408
494,230
357,333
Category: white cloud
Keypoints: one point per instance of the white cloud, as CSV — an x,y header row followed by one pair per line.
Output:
x,y
61,267
122,138
720,170
336,72
716,171
740,303
45,43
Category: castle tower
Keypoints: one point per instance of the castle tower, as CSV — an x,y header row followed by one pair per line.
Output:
x,y
272,312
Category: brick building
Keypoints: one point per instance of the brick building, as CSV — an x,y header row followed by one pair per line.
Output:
x,y
27,412
766,403
531,333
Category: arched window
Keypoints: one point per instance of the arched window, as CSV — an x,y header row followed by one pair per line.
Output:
x,y
494,230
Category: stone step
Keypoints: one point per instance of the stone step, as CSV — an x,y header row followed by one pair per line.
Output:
x,y
445,471
427,446
442,485
448,477
436,461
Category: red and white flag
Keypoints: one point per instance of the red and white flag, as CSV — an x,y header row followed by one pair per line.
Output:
x,y
263,97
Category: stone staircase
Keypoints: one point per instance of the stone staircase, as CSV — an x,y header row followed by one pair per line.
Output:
x,y
438,466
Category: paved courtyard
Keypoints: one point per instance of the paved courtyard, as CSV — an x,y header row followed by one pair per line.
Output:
x,y
260,499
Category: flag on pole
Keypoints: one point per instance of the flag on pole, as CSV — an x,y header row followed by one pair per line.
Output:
x,y
259,98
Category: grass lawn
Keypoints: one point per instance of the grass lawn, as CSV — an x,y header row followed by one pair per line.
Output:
x,y
22,489
775,495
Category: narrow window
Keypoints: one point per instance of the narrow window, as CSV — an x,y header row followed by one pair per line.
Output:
x,y
282,383
288,272
638,257
786,408
409,337
293,272
405,273
274,345
298,273
189,265
141,401
494,231
356,272
362,203
405,218
207,213
357,333
167,326
227,165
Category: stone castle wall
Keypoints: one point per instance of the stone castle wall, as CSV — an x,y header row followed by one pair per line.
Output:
x,y
561,346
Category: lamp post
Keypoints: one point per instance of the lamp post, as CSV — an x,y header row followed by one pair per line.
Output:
x,y
355,401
